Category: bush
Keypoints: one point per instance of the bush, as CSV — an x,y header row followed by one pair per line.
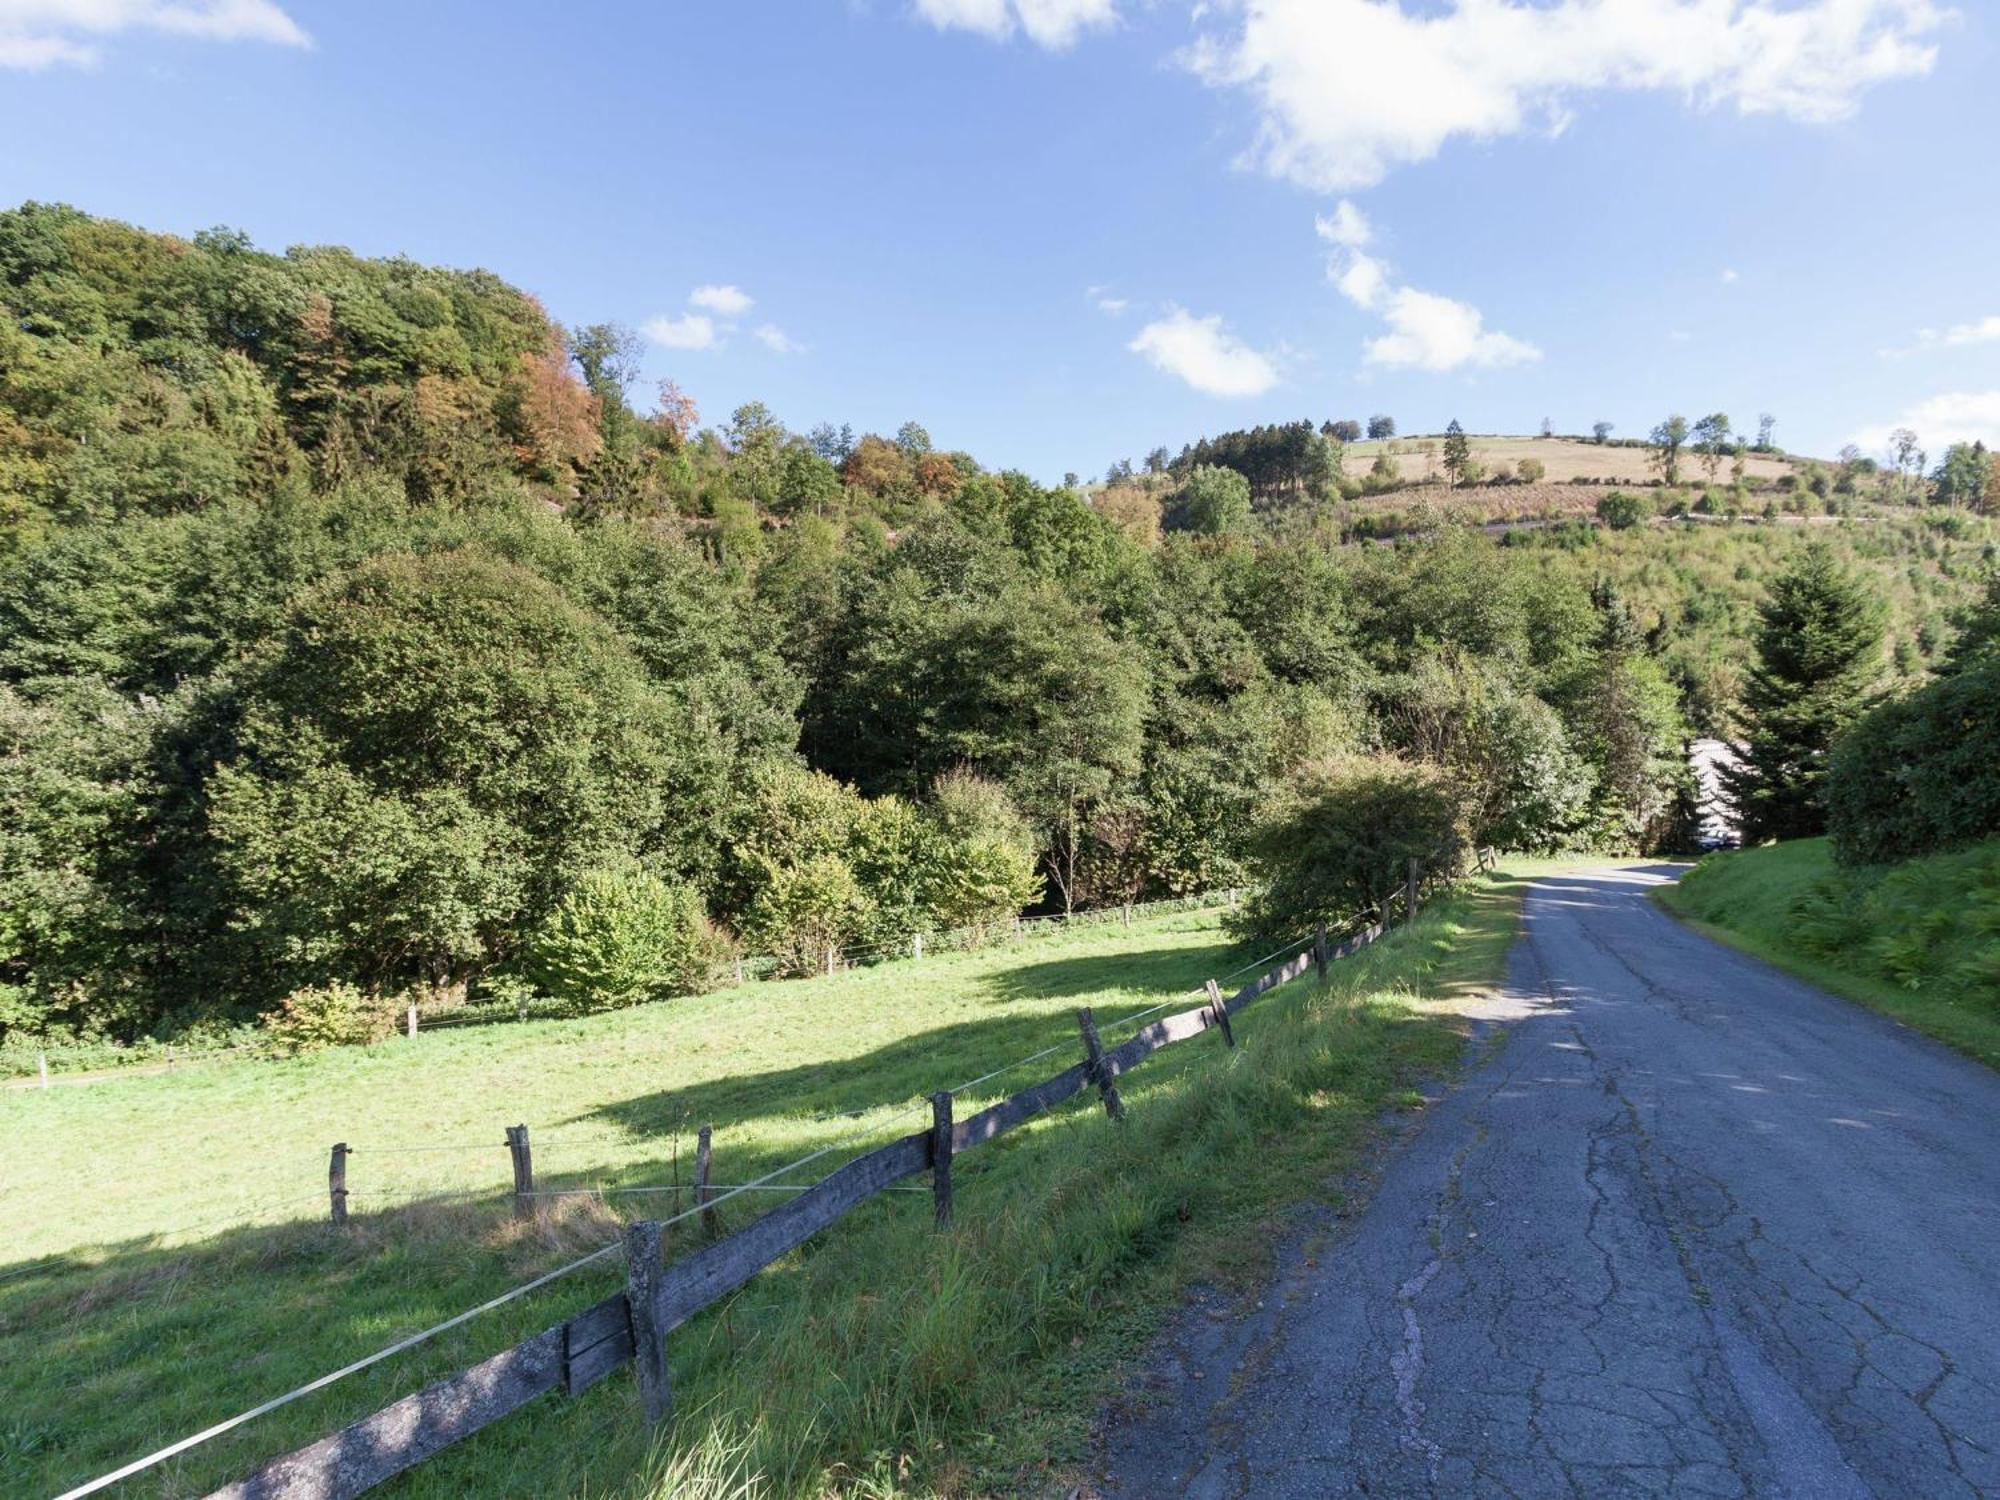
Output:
x,y
1621,512
329,1015
806,911
981,867
1531,470
1341,842
620,936
1919,774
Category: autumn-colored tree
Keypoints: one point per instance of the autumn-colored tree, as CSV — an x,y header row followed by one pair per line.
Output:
x,y
875,465
1132,510
677,416
319,369
551,417
938,476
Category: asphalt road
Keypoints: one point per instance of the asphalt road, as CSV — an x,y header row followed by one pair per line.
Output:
x,y
1692,1228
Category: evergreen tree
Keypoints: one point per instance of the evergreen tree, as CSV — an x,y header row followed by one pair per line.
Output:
x,y
1819,646
1457,452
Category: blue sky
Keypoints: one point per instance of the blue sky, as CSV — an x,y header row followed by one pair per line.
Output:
x,y
1059,232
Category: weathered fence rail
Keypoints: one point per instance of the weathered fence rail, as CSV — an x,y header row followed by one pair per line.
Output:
x,y
634,1323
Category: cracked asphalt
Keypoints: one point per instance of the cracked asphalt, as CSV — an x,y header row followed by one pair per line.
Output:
x,y
1688,1227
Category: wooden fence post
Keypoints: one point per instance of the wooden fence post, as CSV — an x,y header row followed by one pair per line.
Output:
x,y
917,946
524,1171
1220,1011
1107,1086
413,1018
42,1067
1319,951
336,1182
701,1189
1410,894
831,954
941,1158
649,1346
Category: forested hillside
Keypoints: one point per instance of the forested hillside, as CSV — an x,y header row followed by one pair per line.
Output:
x,y
361,634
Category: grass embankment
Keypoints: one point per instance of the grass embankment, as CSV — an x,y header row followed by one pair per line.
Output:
x,y
882,1358
1919,941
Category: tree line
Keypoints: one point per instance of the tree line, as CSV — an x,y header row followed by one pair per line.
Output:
x,y
360,636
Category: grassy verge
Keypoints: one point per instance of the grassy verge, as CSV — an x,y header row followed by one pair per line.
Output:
x,y
883,1358
1918,941
896,1361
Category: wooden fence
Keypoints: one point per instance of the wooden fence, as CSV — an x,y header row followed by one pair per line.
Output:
x,y
631,1326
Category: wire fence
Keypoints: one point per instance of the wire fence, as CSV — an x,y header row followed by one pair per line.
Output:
x,y
711,1196
59,1067
275,1173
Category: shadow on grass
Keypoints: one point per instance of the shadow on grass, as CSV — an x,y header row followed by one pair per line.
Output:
x,y
1163,969
105,1354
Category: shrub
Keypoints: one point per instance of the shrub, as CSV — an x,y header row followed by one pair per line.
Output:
x,y
329,1015
619,936
807,910
1213,501
1531,470
1919,774
981,867
1621,511
1340,843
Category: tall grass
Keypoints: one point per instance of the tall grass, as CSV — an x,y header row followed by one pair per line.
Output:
x,y
1919,940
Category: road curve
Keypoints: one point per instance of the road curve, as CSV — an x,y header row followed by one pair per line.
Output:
x,y
1692,1227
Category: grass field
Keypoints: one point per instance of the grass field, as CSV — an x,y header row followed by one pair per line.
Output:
x,y
1919,941
1563,458
884,1358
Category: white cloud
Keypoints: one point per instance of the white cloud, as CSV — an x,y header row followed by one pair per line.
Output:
x,y
1346,225
1954,417
1435,333
1362,279
774,338
1205,354
694,331
1958,336
727,301
1426,331
1730,276
1054,24
1980,331
1348,90
45,33
1106,303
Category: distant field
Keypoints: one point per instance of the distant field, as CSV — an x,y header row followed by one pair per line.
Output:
x,y
1563,458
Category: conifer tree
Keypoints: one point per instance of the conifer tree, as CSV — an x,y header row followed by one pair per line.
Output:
x,y
1457,452
1819,647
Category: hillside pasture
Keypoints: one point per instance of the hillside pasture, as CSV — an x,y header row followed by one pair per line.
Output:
x,y
879,1350
1563,459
